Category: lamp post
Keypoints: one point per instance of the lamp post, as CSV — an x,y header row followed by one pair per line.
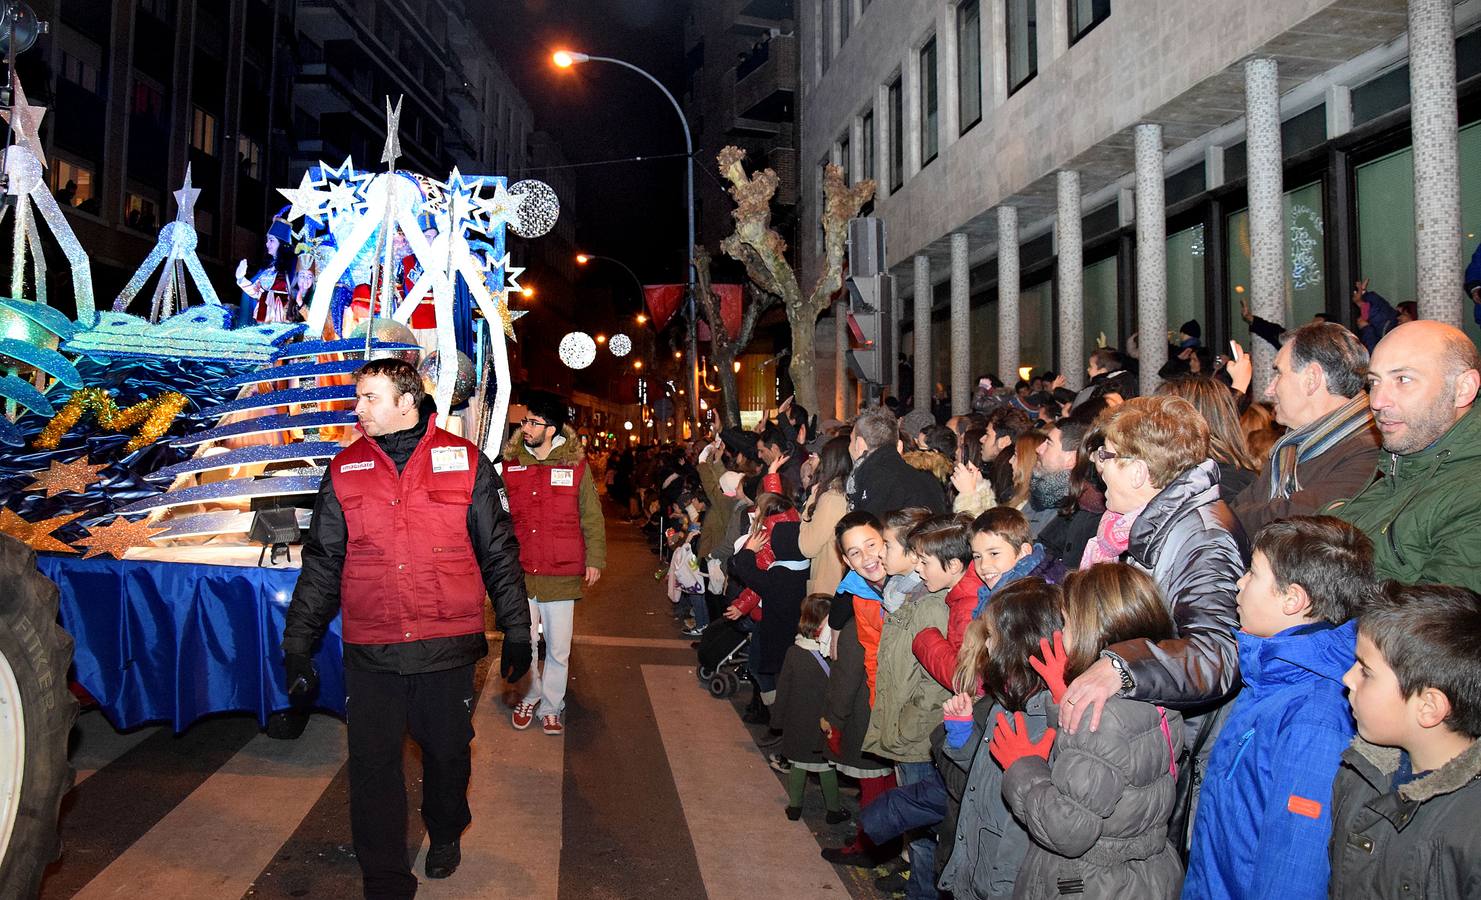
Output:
x,y
565,59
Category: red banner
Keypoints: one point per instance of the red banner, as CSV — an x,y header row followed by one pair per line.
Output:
x,y
663,301
731,296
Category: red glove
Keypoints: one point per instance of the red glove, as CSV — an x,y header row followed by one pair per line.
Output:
x,y
835,742
1051,667
1009,745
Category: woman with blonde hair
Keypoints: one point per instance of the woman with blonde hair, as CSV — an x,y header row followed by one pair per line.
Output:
x,y
1215,402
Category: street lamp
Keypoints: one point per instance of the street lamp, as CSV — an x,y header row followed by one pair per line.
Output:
x,y
565,59
527,292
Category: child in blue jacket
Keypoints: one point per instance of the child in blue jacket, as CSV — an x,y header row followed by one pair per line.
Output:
x,y
1264,813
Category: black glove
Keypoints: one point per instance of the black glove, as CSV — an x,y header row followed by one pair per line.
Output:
x,y
303,678
516,660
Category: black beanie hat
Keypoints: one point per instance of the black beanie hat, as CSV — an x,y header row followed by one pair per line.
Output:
x,y
1192,329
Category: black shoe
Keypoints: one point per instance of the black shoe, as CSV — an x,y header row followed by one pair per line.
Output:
x,y
895,881
794,813
850,854
758,715
443,859
837,815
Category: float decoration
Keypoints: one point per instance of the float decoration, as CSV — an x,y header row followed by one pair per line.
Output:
x,y
62,477
155,415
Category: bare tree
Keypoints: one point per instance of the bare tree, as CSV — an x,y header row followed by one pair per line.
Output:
x,y
757,246
723,348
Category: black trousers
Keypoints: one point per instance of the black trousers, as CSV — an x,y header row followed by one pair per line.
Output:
x,y
437,708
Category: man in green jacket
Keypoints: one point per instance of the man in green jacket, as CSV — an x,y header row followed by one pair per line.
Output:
x,y
1423,508
562,544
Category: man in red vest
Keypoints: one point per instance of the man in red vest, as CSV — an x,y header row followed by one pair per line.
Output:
x,y
562,543
411,530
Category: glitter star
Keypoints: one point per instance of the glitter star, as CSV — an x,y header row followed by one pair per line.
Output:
x,y
393,133
62,477
185,200
27,122
36,535
117,537
306,201
500,209
511,272
342,197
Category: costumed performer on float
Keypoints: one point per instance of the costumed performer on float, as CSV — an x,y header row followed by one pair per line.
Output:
x,y
268,297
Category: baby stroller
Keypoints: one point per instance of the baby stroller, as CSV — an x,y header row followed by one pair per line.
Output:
x,y
723,658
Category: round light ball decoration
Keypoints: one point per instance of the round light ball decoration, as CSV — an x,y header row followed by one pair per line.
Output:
x,y
578,350
620,345
391,331
538,211
463,385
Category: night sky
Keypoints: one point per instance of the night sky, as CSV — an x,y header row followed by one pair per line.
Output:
x,y
633,211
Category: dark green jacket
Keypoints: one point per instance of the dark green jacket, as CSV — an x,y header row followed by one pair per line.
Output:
x,y
1423,510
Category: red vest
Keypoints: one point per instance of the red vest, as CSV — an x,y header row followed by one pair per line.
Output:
x,y
410,573
545,503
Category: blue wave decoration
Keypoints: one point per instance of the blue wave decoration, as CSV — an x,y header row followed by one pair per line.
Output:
x,y
267,425
200,332
23,392
10,435
296,370
344,345
47,360
224,491
221,521
243,456
50,318
283,398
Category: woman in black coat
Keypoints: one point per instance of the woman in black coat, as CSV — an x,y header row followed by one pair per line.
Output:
x,y
782,585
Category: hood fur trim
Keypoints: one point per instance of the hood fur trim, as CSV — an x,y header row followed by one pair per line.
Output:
x,y
567,454
930,461
1447,779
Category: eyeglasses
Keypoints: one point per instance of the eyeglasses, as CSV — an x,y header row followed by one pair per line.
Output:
x,y
535,423
1103,455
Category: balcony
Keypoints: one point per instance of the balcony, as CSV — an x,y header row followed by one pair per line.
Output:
x,y
746,24
766,81
326,20
322,88
776,10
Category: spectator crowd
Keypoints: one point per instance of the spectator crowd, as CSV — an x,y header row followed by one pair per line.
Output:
x,y
1200,643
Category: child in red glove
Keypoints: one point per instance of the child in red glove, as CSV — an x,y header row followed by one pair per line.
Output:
x,y
798,709
986,843
1097,802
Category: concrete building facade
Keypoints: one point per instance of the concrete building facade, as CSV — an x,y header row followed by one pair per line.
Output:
x,y
1276,131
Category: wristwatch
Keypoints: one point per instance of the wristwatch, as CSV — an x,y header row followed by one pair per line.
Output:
x,y
1126,680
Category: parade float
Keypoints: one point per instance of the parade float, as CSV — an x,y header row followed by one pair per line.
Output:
x,y
162,453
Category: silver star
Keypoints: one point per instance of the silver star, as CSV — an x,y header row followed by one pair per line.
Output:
x,y
306,201
393,133
27,122
500,209
185,200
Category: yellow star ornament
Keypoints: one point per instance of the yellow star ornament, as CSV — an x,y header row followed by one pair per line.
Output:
x,y
62,477
117,537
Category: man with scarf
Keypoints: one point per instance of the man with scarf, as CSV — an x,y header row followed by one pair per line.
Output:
x,y
1050,483
411,530
1331,448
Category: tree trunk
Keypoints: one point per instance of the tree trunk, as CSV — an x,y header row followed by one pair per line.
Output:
x,y
729,393
803,361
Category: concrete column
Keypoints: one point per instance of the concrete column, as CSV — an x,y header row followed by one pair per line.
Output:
x,y
1071,281
1267,217
1008,339
1436,160
840,363
1151,256
961,327
925,379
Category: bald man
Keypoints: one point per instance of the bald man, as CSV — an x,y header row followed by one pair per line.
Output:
x,y
1423,508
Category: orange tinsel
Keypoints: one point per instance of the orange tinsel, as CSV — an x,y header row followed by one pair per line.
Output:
x,y
156,414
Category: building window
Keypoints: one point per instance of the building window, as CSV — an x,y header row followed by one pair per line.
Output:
x,y
1085,15
930,112
1023,42
80,72
844,162
845,13
825,10
969,62
140,212
249,155
1102,314
71,184
1306,261
866,145
203,132
1186,287
897,134
148,101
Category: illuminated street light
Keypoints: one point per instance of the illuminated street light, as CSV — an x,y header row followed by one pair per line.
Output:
x,y
735,367
601,339
638,364
527,292
565,59
642,319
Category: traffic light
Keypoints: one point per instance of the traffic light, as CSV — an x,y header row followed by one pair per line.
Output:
x,y
871,306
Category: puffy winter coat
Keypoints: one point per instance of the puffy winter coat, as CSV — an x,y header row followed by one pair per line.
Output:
x,y
1418,841
1098,808
869,616
988,844
907,700
1263,811
936,651
1424,510
882,482
1193,547
846,702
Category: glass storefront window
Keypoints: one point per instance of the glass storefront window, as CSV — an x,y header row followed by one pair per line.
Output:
x,y
1306,261
1186,288
1036,328
1101,308
984,319
1385,200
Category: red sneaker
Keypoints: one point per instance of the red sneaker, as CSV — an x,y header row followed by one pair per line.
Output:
x,y
552,725
524,715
